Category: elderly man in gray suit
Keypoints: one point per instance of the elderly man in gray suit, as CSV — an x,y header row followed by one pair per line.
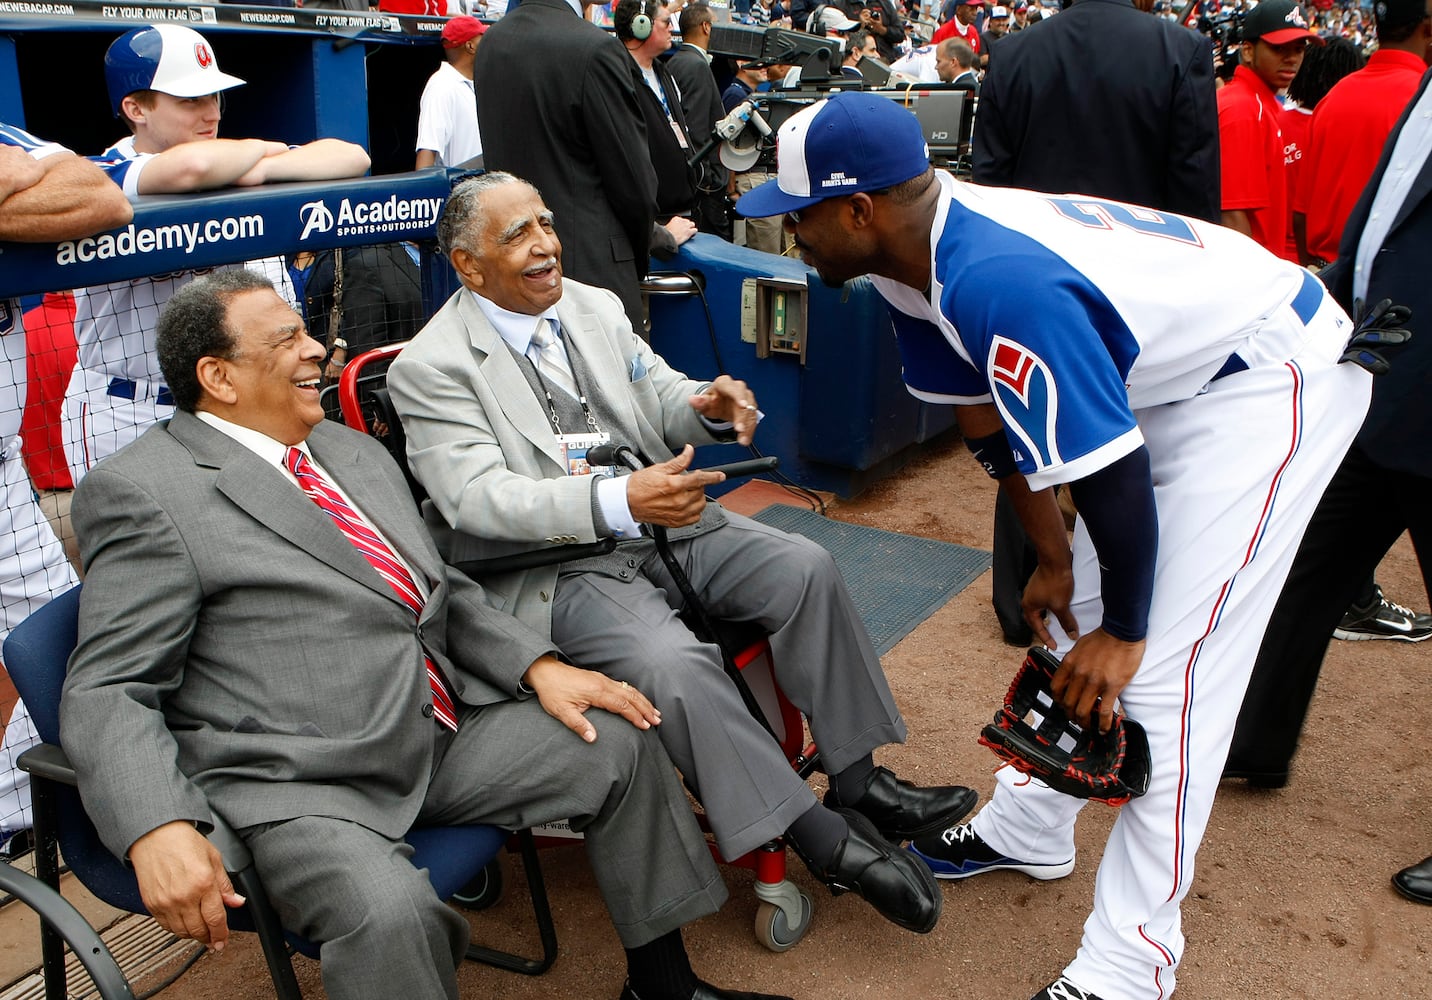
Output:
x,y
521,370
268,634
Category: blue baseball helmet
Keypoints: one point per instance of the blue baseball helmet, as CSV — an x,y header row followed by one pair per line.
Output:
x,y
169,58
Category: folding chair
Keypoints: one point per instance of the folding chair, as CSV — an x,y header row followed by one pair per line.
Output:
x,y
36,654
784,913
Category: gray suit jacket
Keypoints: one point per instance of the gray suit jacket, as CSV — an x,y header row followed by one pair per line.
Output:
x,y
481,443
237,652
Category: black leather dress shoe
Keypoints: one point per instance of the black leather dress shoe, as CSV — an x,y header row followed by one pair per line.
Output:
x,y
892,880
705,991
1416,882
902,811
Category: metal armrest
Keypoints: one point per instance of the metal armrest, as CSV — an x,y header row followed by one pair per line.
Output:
x,y
234,851
45,760
58,914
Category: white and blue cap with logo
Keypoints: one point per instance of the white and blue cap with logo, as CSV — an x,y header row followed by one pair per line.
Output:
x,y
169,58
851,142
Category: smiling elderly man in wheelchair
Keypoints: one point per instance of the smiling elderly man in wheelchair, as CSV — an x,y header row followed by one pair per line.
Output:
x,y
501,396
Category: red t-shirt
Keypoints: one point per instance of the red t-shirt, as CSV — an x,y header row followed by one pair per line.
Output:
x,y
1250,141
1296,123
1350,126
50,353
953,29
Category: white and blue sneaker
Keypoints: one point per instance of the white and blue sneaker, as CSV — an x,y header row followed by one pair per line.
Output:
x,y
959,853
13,844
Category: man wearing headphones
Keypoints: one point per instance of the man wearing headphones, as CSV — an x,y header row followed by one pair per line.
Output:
x,y
164,84
690,66
644,28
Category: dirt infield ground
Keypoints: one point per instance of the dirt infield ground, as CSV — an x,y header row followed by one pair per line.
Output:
x,y
1291,898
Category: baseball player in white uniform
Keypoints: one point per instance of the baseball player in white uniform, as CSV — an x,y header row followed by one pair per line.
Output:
x,y
1196,432
46,193
164,83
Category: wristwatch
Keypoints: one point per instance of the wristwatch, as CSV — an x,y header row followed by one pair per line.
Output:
x,y
339,344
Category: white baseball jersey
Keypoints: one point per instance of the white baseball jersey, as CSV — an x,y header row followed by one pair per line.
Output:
x,y
117,389
1083,344
918,64
12,327
1096,327
115,322
33,568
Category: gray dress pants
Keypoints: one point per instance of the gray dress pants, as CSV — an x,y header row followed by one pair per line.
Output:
x,y
385,933
746,572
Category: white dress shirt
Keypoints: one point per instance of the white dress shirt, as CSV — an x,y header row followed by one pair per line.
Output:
x,y
1414,144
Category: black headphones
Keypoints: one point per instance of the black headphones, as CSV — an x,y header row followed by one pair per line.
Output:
x,y
641,24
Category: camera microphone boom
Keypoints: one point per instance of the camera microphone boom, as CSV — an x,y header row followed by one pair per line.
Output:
x,y
730,127
733,124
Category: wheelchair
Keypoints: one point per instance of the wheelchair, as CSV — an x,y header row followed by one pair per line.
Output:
x,y
784,912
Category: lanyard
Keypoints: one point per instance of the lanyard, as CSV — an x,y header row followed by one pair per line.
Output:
x,y
552,405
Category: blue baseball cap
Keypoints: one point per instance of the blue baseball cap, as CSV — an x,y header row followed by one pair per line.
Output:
x,y
853,141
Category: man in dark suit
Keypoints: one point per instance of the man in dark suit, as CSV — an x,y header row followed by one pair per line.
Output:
x,y
268,634
567,118
690,66
1105,100
644,29
1384,485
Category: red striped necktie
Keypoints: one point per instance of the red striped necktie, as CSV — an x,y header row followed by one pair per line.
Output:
x,y
382,558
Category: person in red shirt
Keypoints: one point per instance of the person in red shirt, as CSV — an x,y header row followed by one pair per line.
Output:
x,y
1254,175
49,363
1353,122
1323,66
962,25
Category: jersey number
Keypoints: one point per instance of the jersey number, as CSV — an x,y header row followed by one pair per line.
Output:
x,y
1108,214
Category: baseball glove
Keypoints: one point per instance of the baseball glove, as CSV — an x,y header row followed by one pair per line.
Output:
x,y
1035,736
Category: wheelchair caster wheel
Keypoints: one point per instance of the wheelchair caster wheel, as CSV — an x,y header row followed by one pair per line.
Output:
x,y
773,929
484,890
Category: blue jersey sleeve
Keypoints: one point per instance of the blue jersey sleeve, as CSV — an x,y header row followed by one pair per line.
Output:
x,y
35,146
933,371
1053,354
123,170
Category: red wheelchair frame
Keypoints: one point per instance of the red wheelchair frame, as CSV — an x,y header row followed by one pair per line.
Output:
x,y
784,913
